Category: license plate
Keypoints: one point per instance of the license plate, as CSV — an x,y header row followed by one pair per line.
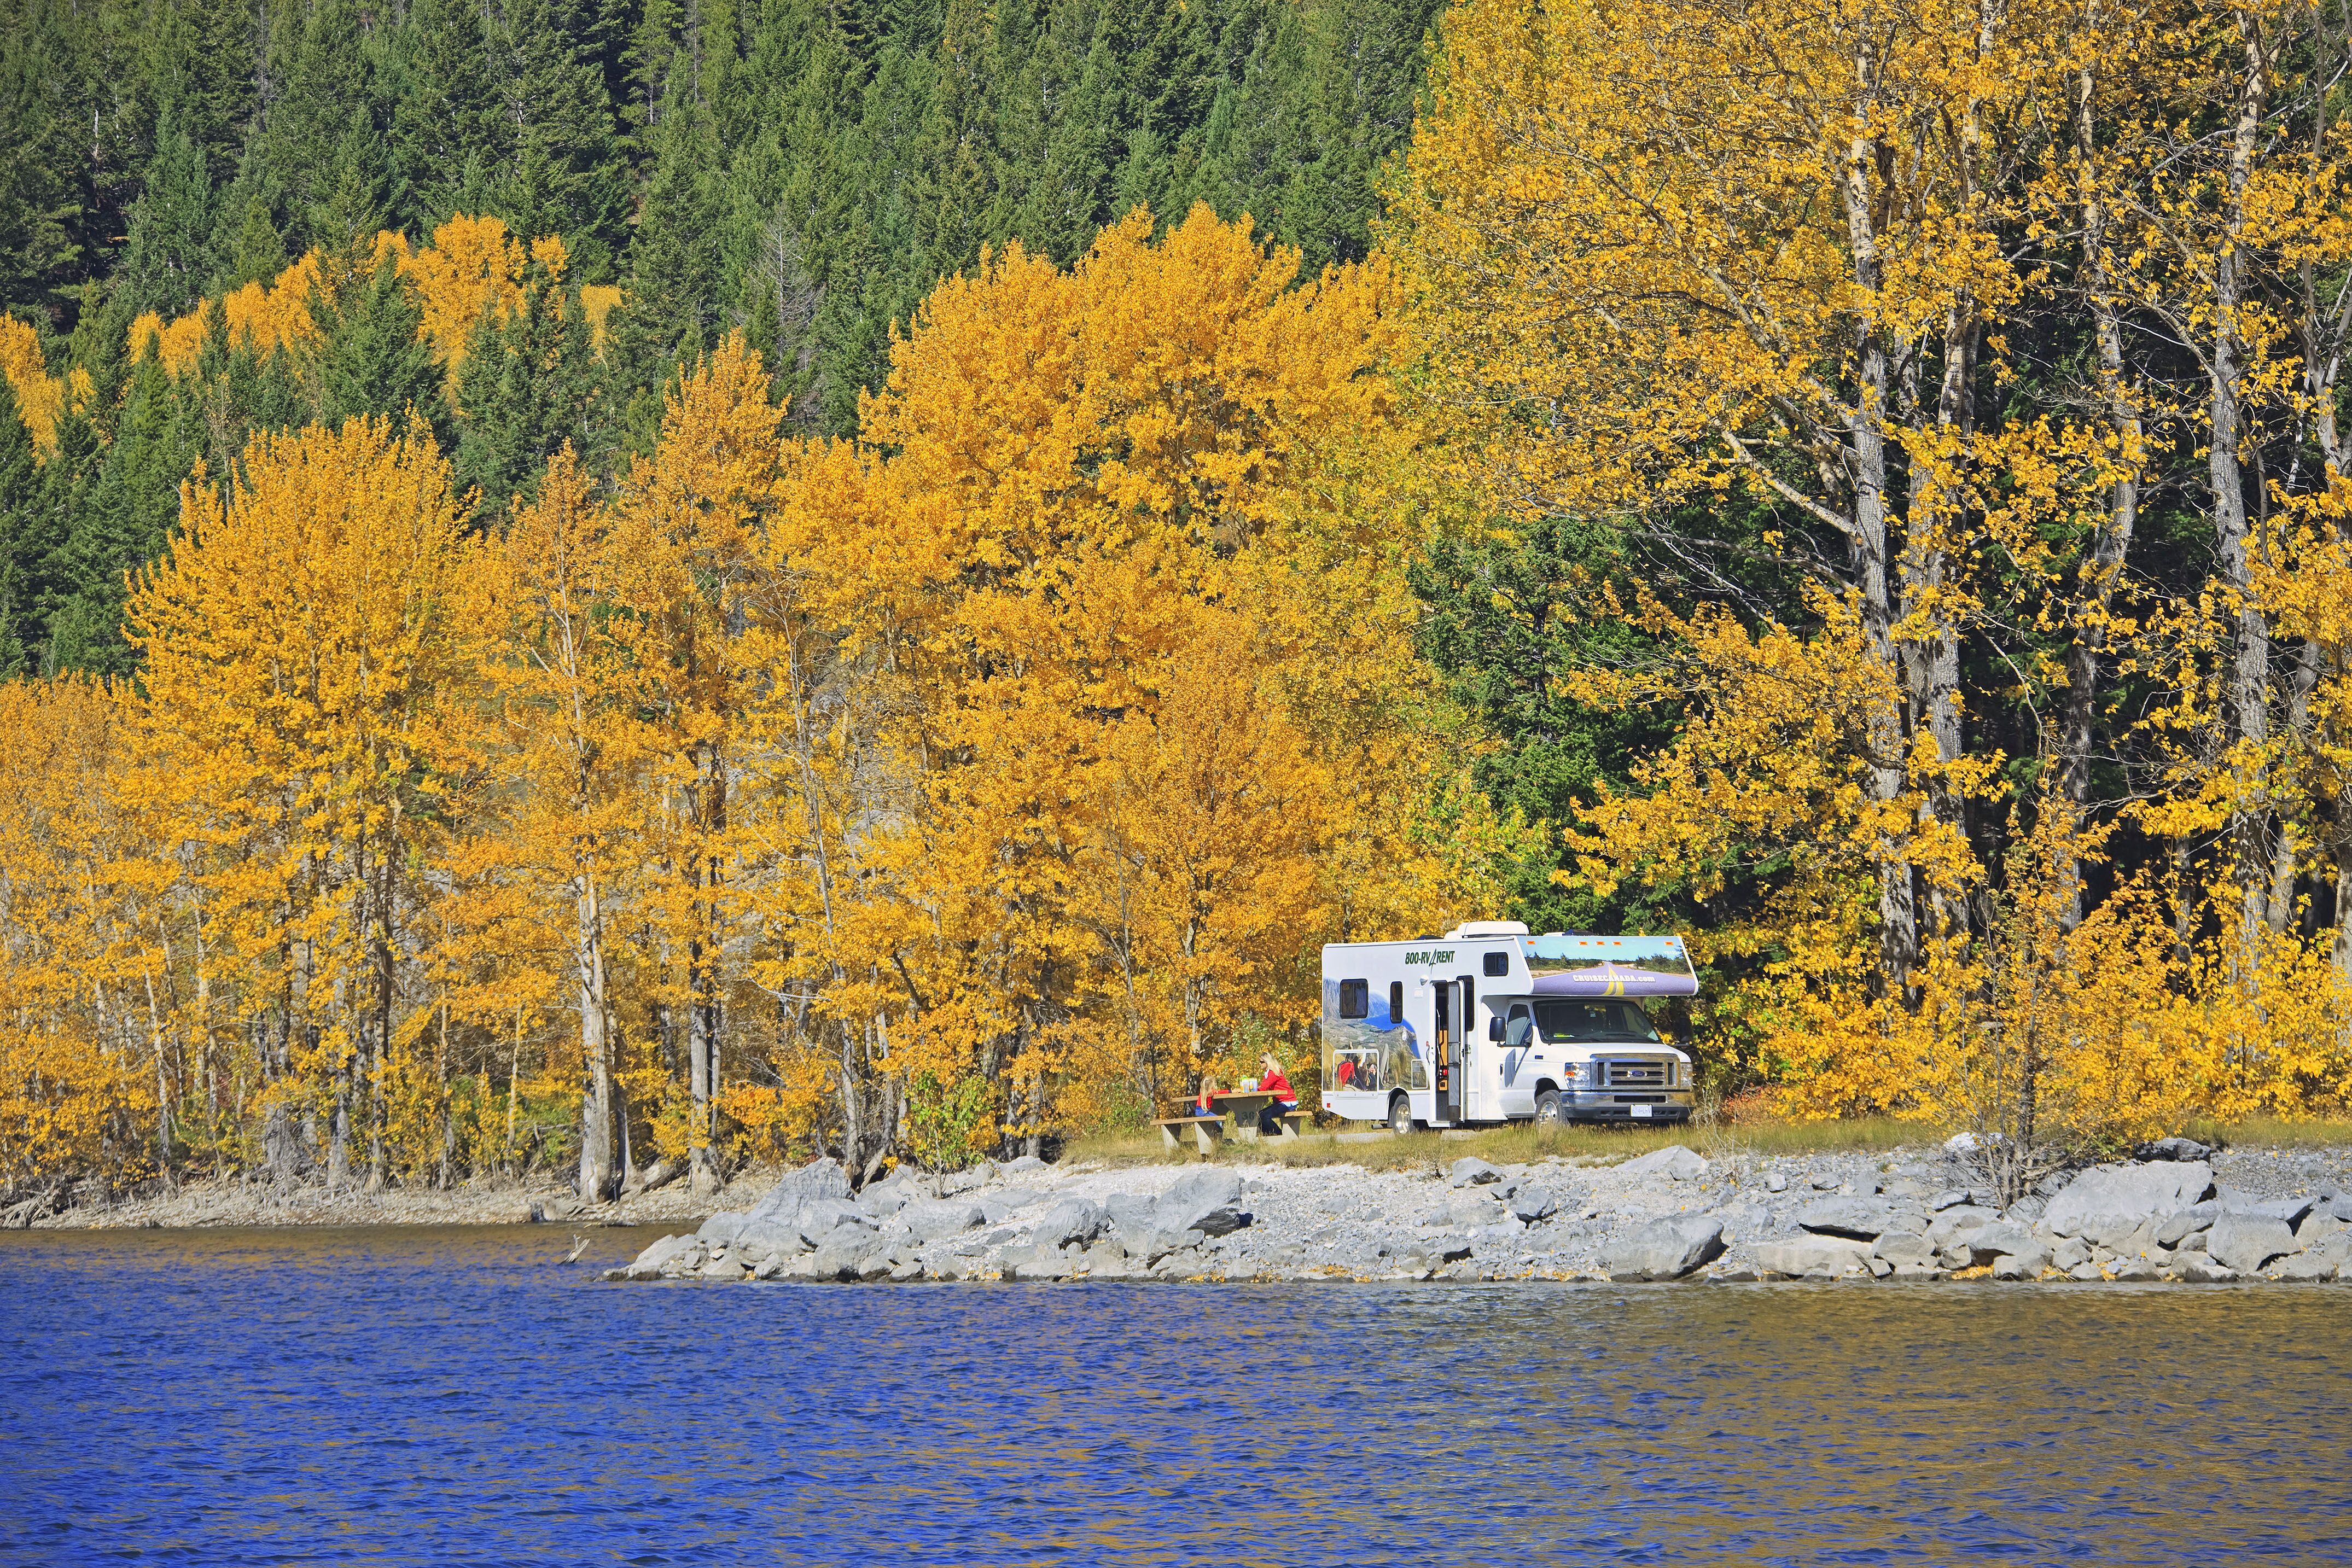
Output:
x,y
1643,1111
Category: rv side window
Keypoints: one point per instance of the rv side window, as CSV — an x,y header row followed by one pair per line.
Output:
x,y
1396,1003
1497,965
1518,1030
1354,1000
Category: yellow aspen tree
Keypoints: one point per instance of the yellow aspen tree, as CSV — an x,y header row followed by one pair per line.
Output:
x,y
576,671
298,645
696,505
1665,250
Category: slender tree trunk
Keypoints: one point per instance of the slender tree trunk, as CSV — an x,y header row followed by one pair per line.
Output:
x,y
2248,682
1898,935
2095,586
596,1173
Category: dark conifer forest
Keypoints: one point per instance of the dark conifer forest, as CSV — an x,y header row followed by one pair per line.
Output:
x,y
804,173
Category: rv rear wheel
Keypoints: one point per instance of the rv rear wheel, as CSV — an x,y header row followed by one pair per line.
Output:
x,y
1549,1111
1400,1115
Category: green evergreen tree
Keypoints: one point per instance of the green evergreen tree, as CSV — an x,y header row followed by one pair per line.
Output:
x,y
41,203
322,142
125,520
447,130
369,359
531,383
42,570
221,99
168,261
670,306
20,494
247,244
566,174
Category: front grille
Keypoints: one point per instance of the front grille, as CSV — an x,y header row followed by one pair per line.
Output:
x,y
1636,1074
1640,1099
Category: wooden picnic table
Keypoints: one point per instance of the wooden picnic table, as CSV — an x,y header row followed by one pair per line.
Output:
x,y
1245,1107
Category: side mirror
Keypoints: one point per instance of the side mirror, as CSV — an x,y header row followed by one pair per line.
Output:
x,y
1494,1029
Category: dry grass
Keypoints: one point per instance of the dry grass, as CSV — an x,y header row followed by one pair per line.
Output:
x,y
2271,1132
1719,1140
1517,1145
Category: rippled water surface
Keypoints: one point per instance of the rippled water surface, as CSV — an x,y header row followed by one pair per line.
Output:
x,y
458,1396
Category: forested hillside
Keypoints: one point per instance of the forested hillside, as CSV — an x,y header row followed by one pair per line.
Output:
x,y
804,173
587,586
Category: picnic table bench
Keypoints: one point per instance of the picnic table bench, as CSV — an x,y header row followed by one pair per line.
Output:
x,y
1206,1131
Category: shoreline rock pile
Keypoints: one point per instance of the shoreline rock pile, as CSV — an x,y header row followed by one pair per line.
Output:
x,y
2184,1215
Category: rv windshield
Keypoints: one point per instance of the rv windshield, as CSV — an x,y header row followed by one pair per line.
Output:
x,y
1564,1022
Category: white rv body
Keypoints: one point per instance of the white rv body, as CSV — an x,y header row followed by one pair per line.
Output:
x,y
1489,1024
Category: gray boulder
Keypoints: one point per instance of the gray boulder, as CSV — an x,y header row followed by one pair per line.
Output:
x,y
2290,1211
2106,1203
648,1264
1951,1224
1673,1161
1860,1218
1474,1208
884,1200
720,1227
1532,1203
843,1256
1208,1201
1014,1198
2180,1149
936,1220
1026,1164
2025,1265
1132,1213
1813,1257
2001,1238
818,1218
1474,1173
1161,1244
1905,1247
820,1178
2198,1268
769,1236
1073,1222
1664,1249
2181,1224
2246,1241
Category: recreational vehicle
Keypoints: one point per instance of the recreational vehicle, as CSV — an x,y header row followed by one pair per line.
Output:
x,y
1489,1024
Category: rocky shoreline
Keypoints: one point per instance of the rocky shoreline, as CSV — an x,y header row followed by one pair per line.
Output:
x,y
2189,1215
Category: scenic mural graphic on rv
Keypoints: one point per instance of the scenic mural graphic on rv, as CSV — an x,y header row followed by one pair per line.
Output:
x,y
1377,1049
1565,965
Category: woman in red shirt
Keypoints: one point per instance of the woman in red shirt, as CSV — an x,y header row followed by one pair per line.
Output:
x,y
1271,1080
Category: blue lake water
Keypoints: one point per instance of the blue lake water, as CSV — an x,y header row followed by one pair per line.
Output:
x,y
415,1396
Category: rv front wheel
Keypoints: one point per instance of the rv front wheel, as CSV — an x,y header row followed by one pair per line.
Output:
x,y
1400,1115
1549,1113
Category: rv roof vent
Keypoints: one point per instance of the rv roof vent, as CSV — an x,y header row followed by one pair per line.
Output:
x,y
1488,928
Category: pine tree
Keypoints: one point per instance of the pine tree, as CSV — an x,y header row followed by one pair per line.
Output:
x,y
447,130
247,244
168,262
370,357
566,174
20,494
221,99
670,306
41,205
123,523
323,143
531,383
42,571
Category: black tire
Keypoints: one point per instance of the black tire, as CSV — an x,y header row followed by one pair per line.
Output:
x,y
1401,1115
1551,1111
